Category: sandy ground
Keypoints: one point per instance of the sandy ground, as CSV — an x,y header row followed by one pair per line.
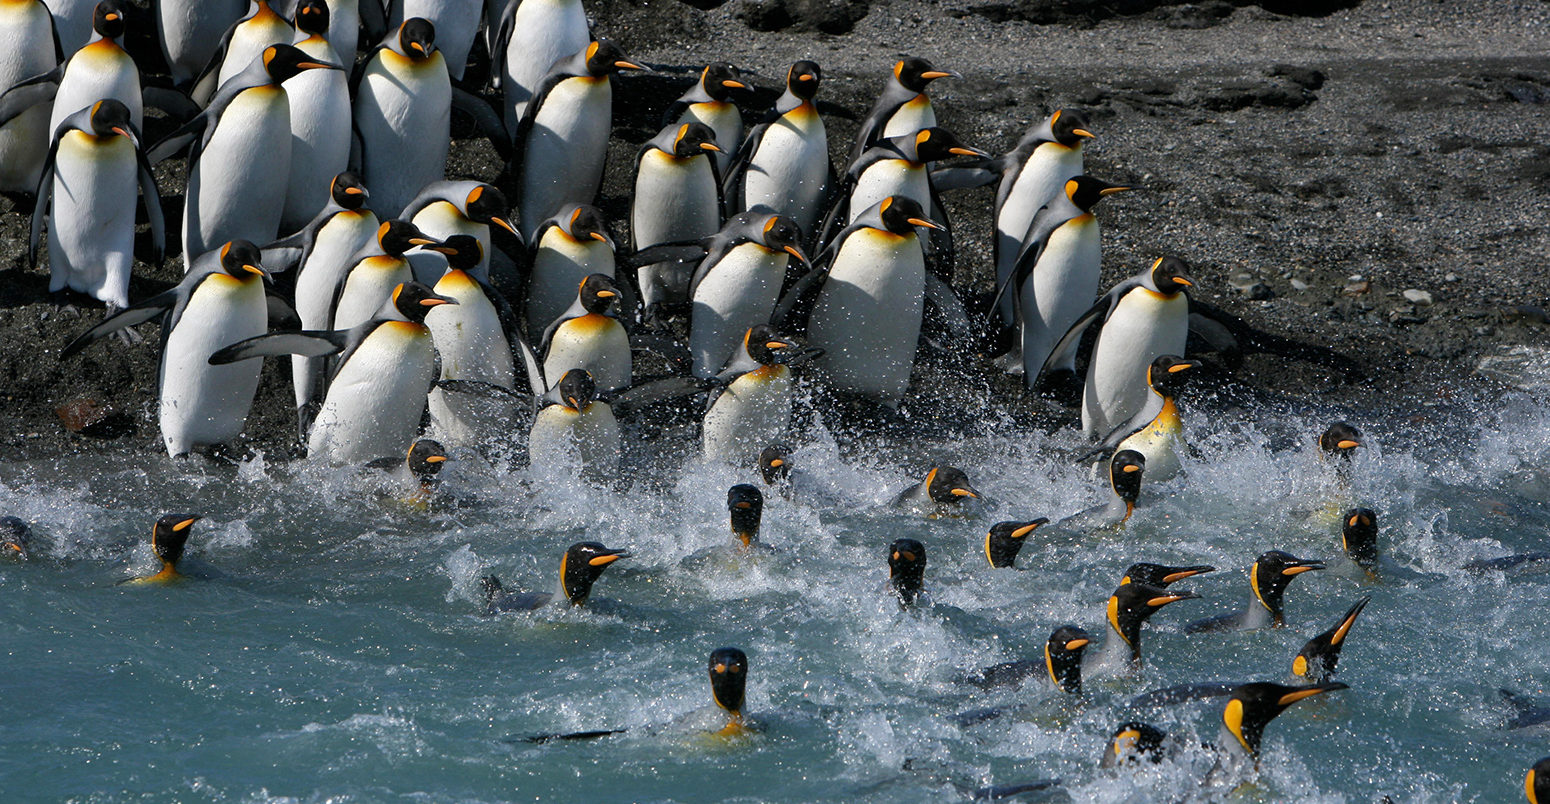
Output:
x,y
1310,168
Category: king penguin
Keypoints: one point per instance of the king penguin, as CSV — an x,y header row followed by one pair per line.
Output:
x,y
1005,540
902,108
566,249
1131,605
575,428
375,270
907,571
1126,468
587,337
72,22
1155,430
895,166
1317,660
1251,707
446,208
783,165
191,31
677,198
1062,664
1536,786
1269,576
102,69
456,21
91,176
530,38
220,300
709,102
580,568
941,493
750,401
27,49
737,284
403,115
321,121
169,537
244,41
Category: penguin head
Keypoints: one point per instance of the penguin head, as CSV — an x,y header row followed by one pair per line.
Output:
x,y
312,17
728,678
582,565
462,251
397,237
1537,785
1063,657
720,80
915,73
1125,471
782,233
1169,276
425,460
417,38
1168,373
586,222
15,537
1318,657
948,485
694,139
746,505
1359,537
1006,539
775,465
284,62
606,58
110,117
413,300
240,259
597,293
487,205
577,389
1069,127
1271,573
1341,439
907,569
803,78
900,215
1252,706
936,144
769,348
108,18
1161,575
1132,742
348,190
1085,191
170,535
1132,604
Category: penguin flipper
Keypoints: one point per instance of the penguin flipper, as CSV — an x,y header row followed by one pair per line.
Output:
x,y
652,391
174,103
1126,429
732,181
133,315
1072,340
796,305
682,252
1183,693
485,120
575,735
179,138
151,198
29,93
274,344
963,177
1044,222
480,388
954,317
374,20
1250,339
1221,622
40,205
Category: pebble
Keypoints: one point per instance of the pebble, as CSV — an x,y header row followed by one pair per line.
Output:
x,y
1298,284
1451,277
1420,297
1357,288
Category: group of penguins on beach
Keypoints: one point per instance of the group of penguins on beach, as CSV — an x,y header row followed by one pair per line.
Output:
x,y
318,224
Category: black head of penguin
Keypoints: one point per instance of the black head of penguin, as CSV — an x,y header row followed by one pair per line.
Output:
x,y
694,139
775,464
108,18
1170,275
606,58
426,458
728,678
1537,784
769,348
803,78
312,17
745,503
948,485
1162,575
907,569
1319,656
486,204
1253,706
348,190
241,259
170,536
1069,127
413,300
901,214
720,80
782,233
1063,657
1132,742
1005,540
577,389
914,74
582,565
15,537
1168,373
936,144
1132,604
417,38
397,237
587,222
1342,438
1085,191
110,117
1271,573
598,293
284,62
463,252
1359,536
1125,471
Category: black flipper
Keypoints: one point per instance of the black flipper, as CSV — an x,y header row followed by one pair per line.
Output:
x,y
485,118
963,177
308,343
22,96
1184,693
575,735
1251,340
653,391
136,314
174,103
682,252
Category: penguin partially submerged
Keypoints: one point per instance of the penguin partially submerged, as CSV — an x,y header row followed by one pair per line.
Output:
x,y
1162,575
1154,430
1359,537
775,465
1062,664
1006,539
15,538
580,567
1251,707
168,539
941,493
745,504
1134,742
1269,576
1536,786
750,400
1131,605
1340,440
1315,663
1126,468
907,571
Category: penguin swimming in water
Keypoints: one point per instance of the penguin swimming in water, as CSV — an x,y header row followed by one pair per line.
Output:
x,y
1269,576
907,571
576,425
1125,470
587,337
94,169
1154,430
567,248
902,108
775,465
15,538
1005,540
750,400
416,473
677,198
745,504
528,39
1315,663
783,164
941,493
709,102
403,116
1133,742
321,120
580,568
1359,537
1536,786
220,300
1251,707
446,208
25,136
1340,440
1131,605
1062,664
377,394
168,539
1162,575
728,683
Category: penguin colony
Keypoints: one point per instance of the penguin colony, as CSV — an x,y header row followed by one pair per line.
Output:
x,y
318,224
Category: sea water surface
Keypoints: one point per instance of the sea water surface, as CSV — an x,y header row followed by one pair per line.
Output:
x,y
331,649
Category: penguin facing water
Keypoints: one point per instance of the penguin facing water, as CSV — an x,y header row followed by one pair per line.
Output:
x,y
1154,430
575,427
589,336
321,120
677,198
750,401
446,208
783,165
737,285
567,248
403,114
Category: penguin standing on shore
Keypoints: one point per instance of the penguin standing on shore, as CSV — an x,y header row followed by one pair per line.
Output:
x,y
750,402
737,284
456,21
244,41
677,198
220,300
91,176
566,249
375,271
321,121
709,102
446,208
903,107
530,37
99,70
1155,430
31,50
403,115
895,166
72,22
588,337
783,165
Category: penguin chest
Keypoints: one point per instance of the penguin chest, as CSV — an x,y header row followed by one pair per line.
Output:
x,y
675,198
320,104
593,342
237,186
790,167
100,70
441,220
203,404
191,30
890,177
738,292
560,264
249,39
318,279
1143,327
403,111
911,116
1044,174
369,285
543,32
563,438
472,345
375,400
867,317
752,413
26,49
1065,279
92,218
1160,441
565,148
725,120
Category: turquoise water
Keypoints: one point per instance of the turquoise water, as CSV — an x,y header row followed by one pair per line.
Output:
x,y
331,649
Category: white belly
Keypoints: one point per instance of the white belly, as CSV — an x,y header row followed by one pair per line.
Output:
x,y
344,24
441,220
750,415
191,30
675,199
1160,441
545,32
318,279
403,112
1062,287
889,177
91,231
236,188
911,117
375,401
1044,174
249,41
567,441
472,345
559,265
867,317
1143,327
26,49
738,293
456,22
564,150
596,343
367,287
725,120
320,136
100,70
73,19
203,404
788,172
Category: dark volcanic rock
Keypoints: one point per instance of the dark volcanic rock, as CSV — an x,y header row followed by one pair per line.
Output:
x,y
823,16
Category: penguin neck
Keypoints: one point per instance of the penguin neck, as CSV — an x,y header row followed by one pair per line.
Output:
x,y
1265,607
1115,657
168,574
736,725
